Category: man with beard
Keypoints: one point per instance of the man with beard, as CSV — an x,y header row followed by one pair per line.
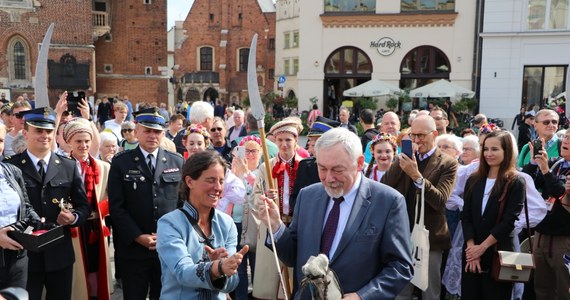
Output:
x,y
361,225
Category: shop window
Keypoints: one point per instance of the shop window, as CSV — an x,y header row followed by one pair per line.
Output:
x,y
350,6
206,59
542,83
427,5
422,65
547,14
243,58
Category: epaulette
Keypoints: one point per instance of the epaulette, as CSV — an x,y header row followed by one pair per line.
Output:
x,y
123,152
64,156
173,153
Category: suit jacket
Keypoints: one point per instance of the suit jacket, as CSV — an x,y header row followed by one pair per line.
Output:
x,y
62,181
137,199
439,177
373,256
307,174
478,226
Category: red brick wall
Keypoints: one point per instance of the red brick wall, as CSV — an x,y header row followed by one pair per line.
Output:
x,y
139,40
202,31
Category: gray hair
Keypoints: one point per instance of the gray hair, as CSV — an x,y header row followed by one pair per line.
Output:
x,y
347,139
546,112
454,140
107,136
19,143
200,111
473,142
240,112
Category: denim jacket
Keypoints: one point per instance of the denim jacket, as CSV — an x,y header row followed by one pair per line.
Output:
x,y
184,262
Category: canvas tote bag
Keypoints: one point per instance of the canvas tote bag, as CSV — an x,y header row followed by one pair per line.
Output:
x,y
420,246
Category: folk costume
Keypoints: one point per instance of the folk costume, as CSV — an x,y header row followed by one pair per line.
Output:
x,y
284,172
91,272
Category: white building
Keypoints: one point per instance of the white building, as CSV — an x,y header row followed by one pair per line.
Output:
x,y
325,47
525,55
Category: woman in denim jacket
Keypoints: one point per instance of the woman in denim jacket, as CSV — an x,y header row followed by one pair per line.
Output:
x,y
196,244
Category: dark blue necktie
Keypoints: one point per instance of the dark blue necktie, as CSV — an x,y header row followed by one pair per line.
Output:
x,y
330,227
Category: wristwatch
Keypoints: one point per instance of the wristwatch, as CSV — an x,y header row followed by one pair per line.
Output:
x,y
419,181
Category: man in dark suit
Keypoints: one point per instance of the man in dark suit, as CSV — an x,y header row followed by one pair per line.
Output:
x,y
366,232
54,186
344,118
143,186
307,173
437,171
526,129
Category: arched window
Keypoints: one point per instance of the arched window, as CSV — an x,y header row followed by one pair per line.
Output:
x,y
19,59
423,65
206,59
243,56
348,61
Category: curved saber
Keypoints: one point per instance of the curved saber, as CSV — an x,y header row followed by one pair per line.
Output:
x,y
258,112
41,89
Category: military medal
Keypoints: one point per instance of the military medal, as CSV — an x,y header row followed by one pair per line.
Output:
x,y
134,185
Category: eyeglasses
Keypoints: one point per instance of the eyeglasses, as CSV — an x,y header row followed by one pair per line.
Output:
x,y
444,147
547,122
419,136
126,130
468,149
251,151
439,118
18,116
214,129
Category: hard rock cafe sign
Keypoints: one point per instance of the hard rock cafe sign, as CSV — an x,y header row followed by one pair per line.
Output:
x,y
385,46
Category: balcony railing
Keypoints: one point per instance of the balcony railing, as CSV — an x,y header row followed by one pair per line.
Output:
x,y
101,24
100,19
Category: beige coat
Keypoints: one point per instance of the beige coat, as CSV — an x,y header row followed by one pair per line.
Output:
x,y
79,284
266,279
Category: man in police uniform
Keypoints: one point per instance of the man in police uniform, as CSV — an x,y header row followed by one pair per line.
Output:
x,y
56,192
141,190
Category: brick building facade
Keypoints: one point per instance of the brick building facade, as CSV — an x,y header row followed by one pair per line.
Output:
x,y
106,47
212,49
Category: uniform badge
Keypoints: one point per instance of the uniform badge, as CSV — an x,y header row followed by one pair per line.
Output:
x,y
23,161
57,161
137,158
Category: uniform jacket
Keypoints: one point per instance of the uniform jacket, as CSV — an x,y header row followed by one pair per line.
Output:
x,y
439,177
373,256
138,199
478,226
62,181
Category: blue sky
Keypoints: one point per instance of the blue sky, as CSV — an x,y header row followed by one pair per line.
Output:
x,y
177,11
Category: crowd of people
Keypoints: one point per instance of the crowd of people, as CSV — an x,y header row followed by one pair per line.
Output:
x,y
193,207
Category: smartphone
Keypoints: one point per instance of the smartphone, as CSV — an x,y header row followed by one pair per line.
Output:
x,y
407,148
240,151
73,100
537,145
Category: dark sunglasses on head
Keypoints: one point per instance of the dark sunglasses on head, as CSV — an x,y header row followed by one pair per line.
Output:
x,y
547,122
214,129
